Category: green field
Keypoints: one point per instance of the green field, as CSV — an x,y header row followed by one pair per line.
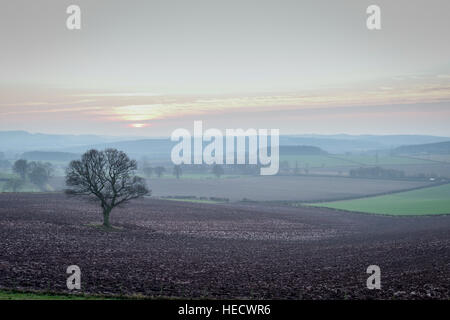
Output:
x,y
6,175
26,187
328,161
372,160
15,295
427,201
445,158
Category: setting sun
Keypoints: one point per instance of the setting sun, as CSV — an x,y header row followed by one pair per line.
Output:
x,y
139,125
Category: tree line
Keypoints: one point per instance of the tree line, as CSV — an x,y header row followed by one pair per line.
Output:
x,y
177,171
38,173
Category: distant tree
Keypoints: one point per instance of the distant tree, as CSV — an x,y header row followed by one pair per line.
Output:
x,y
2,156
46,166
177,172
148,171
13,184
284,166
377,172
217,170
296,170
39,173
159,171
144,162
20,167
107,177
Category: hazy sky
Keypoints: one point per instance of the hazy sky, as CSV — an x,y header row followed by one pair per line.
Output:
x,y
149,67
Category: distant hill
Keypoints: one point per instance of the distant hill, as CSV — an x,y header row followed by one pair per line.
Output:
x,y
153,148
20,141
49,156
342,143
16,142
161,148
428,148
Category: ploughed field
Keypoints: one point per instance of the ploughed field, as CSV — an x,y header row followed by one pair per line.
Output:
x,y
280,188
193,250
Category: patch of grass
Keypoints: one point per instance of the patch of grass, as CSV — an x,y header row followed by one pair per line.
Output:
x,y
19,295
24,295
427,201
6,175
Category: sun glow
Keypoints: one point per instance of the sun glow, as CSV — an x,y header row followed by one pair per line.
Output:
x,y
139,125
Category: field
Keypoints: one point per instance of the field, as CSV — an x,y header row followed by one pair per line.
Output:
x,y
194,250
341,164
26,187
279,188
313,161
432,200
372,160
330,161
445,158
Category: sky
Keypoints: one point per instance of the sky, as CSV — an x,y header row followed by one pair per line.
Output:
x,y
145,68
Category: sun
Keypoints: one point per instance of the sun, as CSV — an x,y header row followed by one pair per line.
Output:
x,y
139,125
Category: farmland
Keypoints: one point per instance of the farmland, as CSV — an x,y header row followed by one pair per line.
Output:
x,y
194,250
330,161
279,188
445,158
433,200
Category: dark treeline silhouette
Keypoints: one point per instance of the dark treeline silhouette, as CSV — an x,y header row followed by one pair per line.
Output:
x,y
376,172
37,173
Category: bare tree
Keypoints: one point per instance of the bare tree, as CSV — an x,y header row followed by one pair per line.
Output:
x,y
217,170
108,177
296,170
39,173
177,172
148,171
159,171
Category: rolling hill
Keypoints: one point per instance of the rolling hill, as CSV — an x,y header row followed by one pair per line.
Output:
x,y
428,148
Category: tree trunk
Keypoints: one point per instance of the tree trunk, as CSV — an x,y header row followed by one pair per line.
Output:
x,y
106,213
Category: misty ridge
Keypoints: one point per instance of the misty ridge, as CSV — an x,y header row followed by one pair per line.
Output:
x,y
369,164
41,147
